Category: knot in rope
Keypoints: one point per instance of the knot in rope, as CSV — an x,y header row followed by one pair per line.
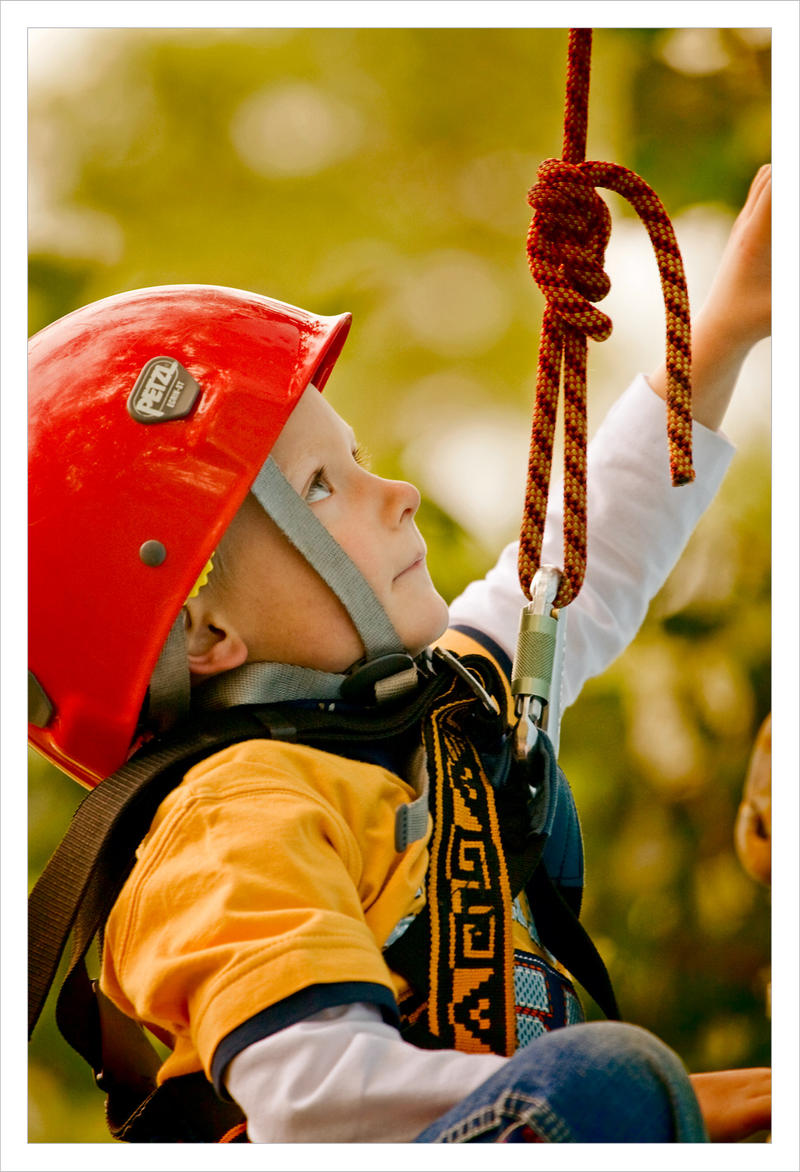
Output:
x,y
567,241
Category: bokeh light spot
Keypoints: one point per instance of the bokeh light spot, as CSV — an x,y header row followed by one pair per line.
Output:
x,y
696,51
294,129
473,469
454,303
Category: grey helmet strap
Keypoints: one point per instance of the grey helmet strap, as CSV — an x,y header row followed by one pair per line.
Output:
x,y
265,683
169,694
297,521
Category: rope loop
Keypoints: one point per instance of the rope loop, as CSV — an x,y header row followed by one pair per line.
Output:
x,y
566,244
567,240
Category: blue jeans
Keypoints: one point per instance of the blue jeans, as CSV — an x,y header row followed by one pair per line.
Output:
x,y
596,1082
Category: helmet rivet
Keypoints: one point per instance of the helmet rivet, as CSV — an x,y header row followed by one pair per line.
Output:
x,y
152,553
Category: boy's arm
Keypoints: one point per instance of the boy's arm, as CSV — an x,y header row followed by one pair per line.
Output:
x,y
345,1076
638,523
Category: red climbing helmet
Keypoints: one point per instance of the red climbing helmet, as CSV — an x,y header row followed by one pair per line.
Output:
x,y
151,412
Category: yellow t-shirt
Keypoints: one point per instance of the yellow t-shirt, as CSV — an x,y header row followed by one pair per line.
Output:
x,y
269,871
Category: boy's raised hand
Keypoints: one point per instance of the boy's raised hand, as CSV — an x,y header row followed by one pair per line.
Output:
x,y
739,303
735,1104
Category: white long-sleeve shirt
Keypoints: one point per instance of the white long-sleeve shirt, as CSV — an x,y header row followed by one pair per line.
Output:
x,y
344,1075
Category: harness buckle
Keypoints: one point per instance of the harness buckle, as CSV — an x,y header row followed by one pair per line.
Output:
x,y
380,679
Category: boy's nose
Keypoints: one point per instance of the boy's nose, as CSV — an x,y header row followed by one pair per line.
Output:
x,y
402,500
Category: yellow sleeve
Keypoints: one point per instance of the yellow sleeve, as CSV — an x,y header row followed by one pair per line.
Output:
x,y
266,872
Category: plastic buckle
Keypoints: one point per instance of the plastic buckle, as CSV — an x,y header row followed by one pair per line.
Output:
x,y
363,682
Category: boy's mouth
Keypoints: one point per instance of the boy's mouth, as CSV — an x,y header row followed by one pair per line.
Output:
x,y
419,560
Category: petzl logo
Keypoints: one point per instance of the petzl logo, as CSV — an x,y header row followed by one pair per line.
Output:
x,y
164,390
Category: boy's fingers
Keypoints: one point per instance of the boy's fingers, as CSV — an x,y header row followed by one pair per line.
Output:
x,y
761,176
761,180
758,204
758,1114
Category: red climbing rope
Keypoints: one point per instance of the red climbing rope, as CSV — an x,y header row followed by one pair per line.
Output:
x,y
566,248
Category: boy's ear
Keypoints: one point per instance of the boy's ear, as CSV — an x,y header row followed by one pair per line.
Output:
x,y
211,648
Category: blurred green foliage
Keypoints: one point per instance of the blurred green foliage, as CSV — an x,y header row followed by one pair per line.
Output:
x,y
385,171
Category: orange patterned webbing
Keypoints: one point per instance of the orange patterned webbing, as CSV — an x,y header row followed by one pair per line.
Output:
x,y
566,247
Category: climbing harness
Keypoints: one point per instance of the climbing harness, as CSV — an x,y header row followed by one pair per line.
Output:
x,y
566,244
456,996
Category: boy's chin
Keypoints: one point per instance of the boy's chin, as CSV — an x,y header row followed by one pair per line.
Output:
x,y
419,640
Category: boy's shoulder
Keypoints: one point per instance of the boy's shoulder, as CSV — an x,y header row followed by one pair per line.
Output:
x,y
276,780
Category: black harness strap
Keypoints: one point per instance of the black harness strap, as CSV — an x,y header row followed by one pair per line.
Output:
x,y
564,935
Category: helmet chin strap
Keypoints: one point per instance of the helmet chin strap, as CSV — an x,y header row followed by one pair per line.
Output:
x,y
310,537
387,669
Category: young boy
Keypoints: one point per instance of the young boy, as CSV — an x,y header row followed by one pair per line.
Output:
x,y
181,428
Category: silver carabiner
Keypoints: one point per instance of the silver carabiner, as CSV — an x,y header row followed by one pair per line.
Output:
x,y
536,674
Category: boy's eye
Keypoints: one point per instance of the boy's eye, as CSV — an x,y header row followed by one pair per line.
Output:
x,y
318,489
